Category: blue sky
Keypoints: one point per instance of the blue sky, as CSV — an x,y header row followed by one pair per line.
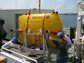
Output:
x,y
62,6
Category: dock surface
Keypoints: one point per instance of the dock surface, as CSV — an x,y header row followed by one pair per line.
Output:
x,y
39,57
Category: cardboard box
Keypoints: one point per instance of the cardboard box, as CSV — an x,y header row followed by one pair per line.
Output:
x,y
3,59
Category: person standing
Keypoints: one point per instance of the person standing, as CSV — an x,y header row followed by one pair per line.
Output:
x,y
61,48
66,37
69,43
10,44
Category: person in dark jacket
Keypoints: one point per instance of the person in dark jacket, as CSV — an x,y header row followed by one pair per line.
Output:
x,y
61,48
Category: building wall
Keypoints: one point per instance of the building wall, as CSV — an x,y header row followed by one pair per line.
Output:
x,y
10,18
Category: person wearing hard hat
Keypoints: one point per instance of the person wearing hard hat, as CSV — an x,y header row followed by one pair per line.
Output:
x,y
61,47
10,44
66,37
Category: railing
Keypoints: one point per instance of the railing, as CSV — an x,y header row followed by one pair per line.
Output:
x,y
23,57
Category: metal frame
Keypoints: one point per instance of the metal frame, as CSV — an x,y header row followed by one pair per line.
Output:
x,y
23,57
45,48
80,11
78,43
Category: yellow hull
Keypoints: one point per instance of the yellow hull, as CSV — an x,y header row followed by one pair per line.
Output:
x,y
52,22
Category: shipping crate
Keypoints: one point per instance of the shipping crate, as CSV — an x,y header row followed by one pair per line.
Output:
x,y
3,59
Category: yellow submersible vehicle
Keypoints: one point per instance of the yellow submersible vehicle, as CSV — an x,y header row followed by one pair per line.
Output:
x,y
34,26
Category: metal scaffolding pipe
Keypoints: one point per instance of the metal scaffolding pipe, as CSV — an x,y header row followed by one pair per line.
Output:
x,y
39,6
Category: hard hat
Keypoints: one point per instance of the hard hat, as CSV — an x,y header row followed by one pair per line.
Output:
x,y
59,34
14,39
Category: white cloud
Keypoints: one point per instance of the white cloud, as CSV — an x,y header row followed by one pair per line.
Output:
x,y
11,4
33,4
71,7
42,1
55,4
0,8
62,6
60,1
58,5
27,3
21,2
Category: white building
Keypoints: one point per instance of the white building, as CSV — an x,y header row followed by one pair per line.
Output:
x,y
11,17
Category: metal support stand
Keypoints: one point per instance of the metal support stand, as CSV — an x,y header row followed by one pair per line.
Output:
x,y
43,45
74,55
45,48
25,40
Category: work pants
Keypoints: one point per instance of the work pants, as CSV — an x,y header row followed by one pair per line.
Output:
x,y
63,59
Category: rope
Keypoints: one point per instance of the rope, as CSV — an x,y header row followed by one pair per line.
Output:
x,y
43,23
35,43
39,41
27,23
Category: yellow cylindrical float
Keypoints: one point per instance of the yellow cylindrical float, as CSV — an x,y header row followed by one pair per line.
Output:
x,y
37,22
